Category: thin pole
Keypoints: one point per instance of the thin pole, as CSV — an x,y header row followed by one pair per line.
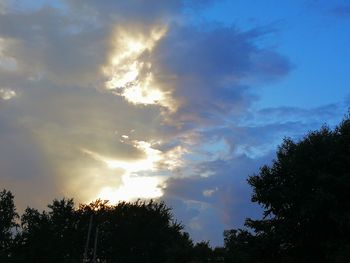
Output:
x,y
95,246
85,259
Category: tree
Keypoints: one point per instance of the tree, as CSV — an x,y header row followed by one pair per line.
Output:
x,y
305,194
127,232
203,253
240,246
50,236
8,217
137,232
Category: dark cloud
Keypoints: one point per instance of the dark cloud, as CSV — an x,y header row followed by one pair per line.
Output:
x,y
208,69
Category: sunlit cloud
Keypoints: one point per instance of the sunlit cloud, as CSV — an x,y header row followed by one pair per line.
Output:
x,y
7,94
133,187
210,192
129,70
148,163
173,158
153,160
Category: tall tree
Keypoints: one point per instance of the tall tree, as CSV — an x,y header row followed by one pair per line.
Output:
x,y
305,194
8,217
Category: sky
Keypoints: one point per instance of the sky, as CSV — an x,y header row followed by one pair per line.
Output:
x,y
174,100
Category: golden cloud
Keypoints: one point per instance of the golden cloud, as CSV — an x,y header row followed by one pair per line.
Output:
x,y
129,69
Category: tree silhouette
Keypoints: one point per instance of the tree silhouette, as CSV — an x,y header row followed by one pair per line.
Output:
x,y
241,246
137,232
305,194
8,217
50,236
127,232
203,253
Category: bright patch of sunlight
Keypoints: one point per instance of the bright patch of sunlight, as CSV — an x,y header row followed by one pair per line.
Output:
x,y
152,156
133,187
128,71
7,94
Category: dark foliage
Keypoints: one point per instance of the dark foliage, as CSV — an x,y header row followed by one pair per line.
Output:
x,y
126,232
51,236
136,232
305,194
8,217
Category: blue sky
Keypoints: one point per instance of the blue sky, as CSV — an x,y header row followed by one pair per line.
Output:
x,y
174,100
310,33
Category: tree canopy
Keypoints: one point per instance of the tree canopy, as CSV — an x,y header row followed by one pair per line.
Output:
x,y
127,232
141,231
305,195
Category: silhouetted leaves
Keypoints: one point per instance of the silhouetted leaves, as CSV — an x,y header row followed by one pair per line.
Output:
x,y
305,194
8,217
127,232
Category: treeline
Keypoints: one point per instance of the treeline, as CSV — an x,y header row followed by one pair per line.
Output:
x,y
305,195
127,232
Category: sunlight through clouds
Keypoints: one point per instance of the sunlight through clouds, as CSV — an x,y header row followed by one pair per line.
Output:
x,y
173,99
152,156
7,94
134,186
129,71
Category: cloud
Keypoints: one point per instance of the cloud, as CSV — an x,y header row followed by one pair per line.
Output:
x,y
172,107
306,116
202,65
44,44
228,203
215,195
129,69
23,164
130,10
7,94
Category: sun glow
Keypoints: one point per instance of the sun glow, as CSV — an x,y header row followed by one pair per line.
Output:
x,y
133,185
129,70
7,94
152,156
